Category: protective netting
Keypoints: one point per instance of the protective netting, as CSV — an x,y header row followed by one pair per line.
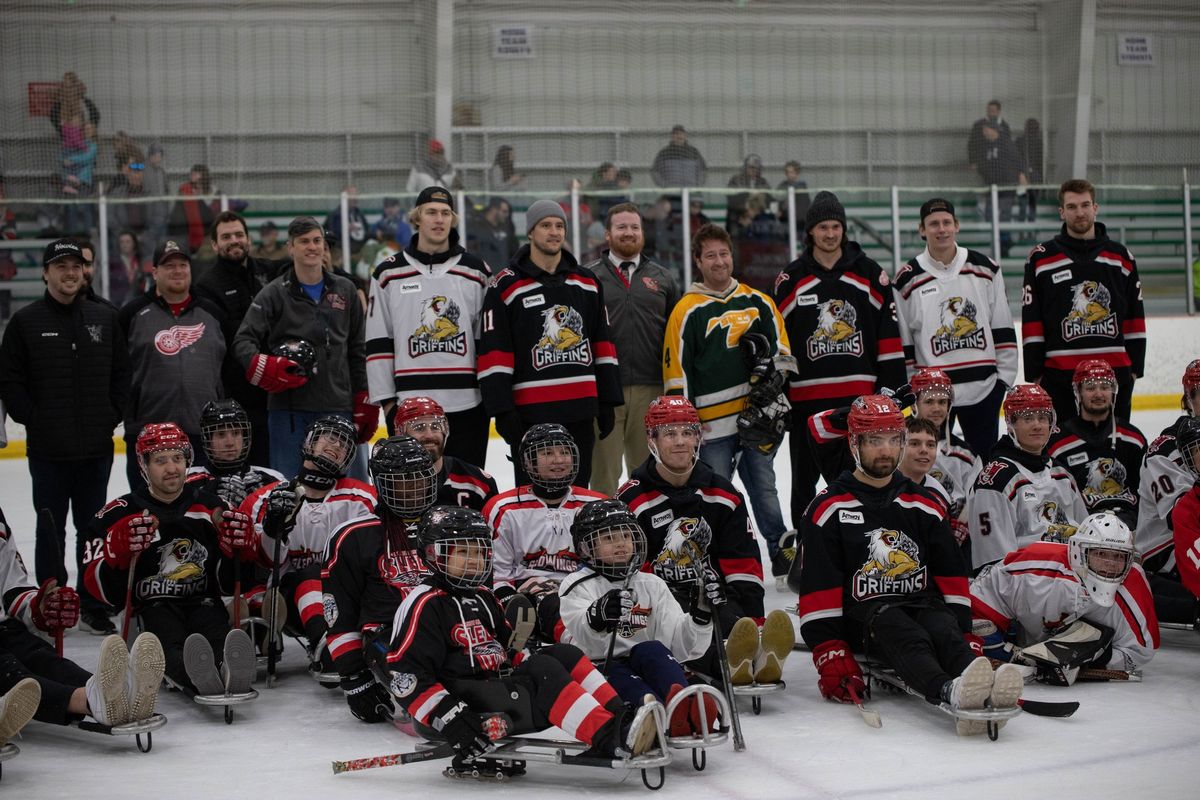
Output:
x,y
274,108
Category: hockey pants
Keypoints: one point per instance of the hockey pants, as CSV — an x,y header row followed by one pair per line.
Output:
x,y
172,621
919,639
23,655
648,669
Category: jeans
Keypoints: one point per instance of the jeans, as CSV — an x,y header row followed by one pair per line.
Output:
x,y
287,429
757,472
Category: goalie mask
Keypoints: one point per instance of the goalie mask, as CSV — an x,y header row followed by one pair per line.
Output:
x,y
550,458
673,433
1187,439
607,537
403,475
875,420
1101,554
159,436
329,445
225,434
456,543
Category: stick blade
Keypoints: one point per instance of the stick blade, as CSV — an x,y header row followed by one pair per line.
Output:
x,y
1040,708
870,717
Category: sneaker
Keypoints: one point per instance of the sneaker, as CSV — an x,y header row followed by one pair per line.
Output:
x,y
241,665
146,666
642,735
96,622
778,637
970,691
522,618
200,664
781,562
1007,684
108,690
18,706
741,647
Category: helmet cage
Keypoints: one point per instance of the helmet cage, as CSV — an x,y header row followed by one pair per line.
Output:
x,y
590,542
344,438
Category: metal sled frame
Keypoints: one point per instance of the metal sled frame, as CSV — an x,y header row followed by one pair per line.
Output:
x,y
876,672
135,729
755,692
699,742
7,751
227,700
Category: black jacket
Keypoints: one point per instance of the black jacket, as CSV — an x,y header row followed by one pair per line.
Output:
x,y
64,374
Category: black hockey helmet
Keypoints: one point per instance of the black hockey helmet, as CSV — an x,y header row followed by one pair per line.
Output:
x,y
403,474
608,538
555,441
445,529
300,352
224,415
329,443
1187,439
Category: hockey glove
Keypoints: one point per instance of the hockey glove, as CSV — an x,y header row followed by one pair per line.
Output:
x,y
368,699
127,538
961,530
236,536
839,671
275,374
537,588
903,397
510,427
366,417
55,607
995,646
233,489
975,643
462,729
606,420
606,613
709,598
280,516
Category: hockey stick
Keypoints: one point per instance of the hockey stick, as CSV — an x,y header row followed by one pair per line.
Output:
x,y
1098,674
234,501
1042,708
274,595
444,750
870,717
129,597
612,640
45,528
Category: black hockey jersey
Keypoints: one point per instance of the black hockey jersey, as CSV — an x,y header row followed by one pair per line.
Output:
x,y
463,484
864,544
1105,459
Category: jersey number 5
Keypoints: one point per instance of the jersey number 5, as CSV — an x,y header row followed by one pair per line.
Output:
x,y
985,524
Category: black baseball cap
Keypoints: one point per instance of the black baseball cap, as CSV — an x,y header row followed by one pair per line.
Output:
x,y
167,249
61,248
435,194
935,205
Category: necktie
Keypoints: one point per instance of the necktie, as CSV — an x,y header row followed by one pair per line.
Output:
x,y
626,269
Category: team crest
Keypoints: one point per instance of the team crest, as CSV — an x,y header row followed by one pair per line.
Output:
x,y
177,337
94,333
562,339
1106,480
439,331
564,560
837,332
893,566
1057,527
180,570
478,644
958,328
1091,312
401,569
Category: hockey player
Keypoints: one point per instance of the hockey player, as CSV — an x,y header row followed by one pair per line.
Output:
x,y
226,436
880,574
1104,454
956,464
451,643
181,551
610,596
371,563
1039,592
1019,496
423,322
1185,516
42,685
920,453
953,315
459,483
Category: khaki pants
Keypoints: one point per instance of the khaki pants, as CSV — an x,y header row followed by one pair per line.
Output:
x,y
628,439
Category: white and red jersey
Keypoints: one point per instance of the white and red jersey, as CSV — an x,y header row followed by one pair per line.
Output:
x,y
956,467
531,538
316,521
1036,588
1186,517
1164,479
16,587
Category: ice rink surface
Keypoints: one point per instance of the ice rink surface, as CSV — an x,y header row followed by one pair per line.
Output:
x,y
1126,740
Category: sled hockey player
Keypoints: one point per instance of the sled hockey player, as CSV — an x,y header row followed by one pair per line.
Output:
x,y
1104,454
459,483
226,436
880,574
1186,514
180,543
295,521
451,648
673,486
1019,496
609,596
37,683
1083,603
919,458
371,564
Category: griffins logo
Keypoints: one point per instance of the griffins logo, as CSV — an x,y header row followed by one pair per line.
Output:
x,y
180,570
1091,312
1106,480
439,331
959,329
837,332
562,339
893,566
1057,527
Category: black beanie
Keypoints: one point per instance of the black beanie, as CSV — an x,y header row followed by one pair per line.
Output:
x,y
825,206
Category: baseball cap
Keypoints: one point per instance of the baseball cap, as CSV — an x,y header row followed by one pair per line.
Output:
x,y
61,248
167,249
435,194
935,205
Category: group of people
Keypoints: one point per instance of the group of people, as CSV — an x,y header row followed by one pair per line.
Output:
x,y
426,585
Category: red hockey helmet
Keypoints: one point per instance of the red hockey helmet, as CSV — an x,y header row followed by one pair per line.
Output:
x,y
411,408
874,413
1094,369
670,409
1027,398
159,436
931,379
1191,382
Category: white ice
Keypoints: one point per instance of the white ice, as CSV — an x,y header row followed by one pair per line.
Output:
x,y
1130,740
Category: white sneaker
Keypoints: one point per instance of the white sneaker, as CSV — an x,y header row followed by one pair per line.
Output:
x,y
1006,689
643,733
970,691
146,666
108,690
17,707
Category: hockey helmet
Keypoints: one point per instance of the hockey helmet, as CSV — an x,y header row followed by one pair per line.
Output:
x,y
931,379
1025,399
159,436
550,458
411,408
301,353
329,443
874,413
424,419
608,538
1187,439
670,409
403,474
456,543
224,415
1101,553
1191,383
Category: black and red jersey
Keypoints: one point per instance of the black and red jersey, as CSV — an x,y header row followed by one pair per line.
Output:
x,y
1105,459
463,484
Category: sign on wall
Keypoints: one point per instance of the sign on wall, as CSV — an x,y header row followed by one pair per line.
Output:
x,y
41,96
1135,50
512,41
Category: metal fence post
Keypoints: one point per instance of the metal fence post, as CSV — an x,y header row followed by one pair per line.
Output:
x,y
686,232
575,246
224,202
102,256
1190,297
995,195
461,202
791,206
895,229
345,215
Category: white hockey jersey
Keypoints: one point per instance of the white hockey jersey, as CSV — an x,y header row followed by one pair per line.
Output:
x,y
955,467
422,323
1164,479
1036,588
530,538
1013,504
656,617
17,589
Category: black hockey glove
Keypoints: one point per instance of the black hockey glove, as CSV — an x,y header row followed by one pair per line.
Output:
x,y
462,729
282,507
710,596
606,420
510,428
368,699
903,396
606,613
233,489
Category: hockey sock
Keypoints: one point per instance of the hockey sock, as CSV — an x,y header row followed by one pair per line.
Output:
x,y
586,675
578,713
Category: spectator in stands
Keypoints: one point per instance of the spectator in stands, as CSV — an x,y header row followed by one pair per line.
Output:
x,y
72,105
625,181
126,149
432,170
192,218
1029,152
64,374
503,172
155,181
679,164
492,235
123,216
750,177
603,179
129,275
269,248
79,166
358,225
762,224
392,226
791,178
993,154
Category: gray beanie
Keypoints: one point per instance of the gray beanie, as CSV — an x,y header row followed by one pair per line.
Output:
x,y
540,210
825,206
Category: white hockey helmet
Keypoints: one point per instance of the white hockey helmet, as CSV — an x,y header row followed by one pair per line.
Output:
x,y
1101,553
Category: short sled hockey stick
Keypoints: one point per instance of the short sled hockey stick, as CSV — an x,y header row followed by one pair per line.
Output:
x,y
1043,708
129,597
45,530
444,750
869,716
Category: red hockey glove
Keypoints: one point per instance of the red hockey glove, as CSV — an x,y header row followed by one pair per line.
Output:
x,y
274,373
366,417
236,536
55,607
975,643
128,537
839,671
960,529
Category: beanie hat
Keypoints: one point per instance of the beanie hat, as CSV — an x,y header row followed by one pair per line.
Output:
x,y
825,206
540,210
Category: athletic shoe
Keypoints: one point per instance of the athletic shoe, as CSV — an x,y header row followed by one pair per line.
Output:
x,y
18,706
522,618
643,731
96,622
108,690
781,562
146,665
200,664
741,648
1007,684
970,691
240,665
778,637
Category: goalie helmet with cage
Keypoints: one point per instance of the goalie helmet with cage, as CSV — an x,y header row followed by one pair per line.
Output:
x,y
456,543
1101,553
550,458
329,443
608,538
1026,399
1187,439
1191,384
224,426
403,474
158,437
933,381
